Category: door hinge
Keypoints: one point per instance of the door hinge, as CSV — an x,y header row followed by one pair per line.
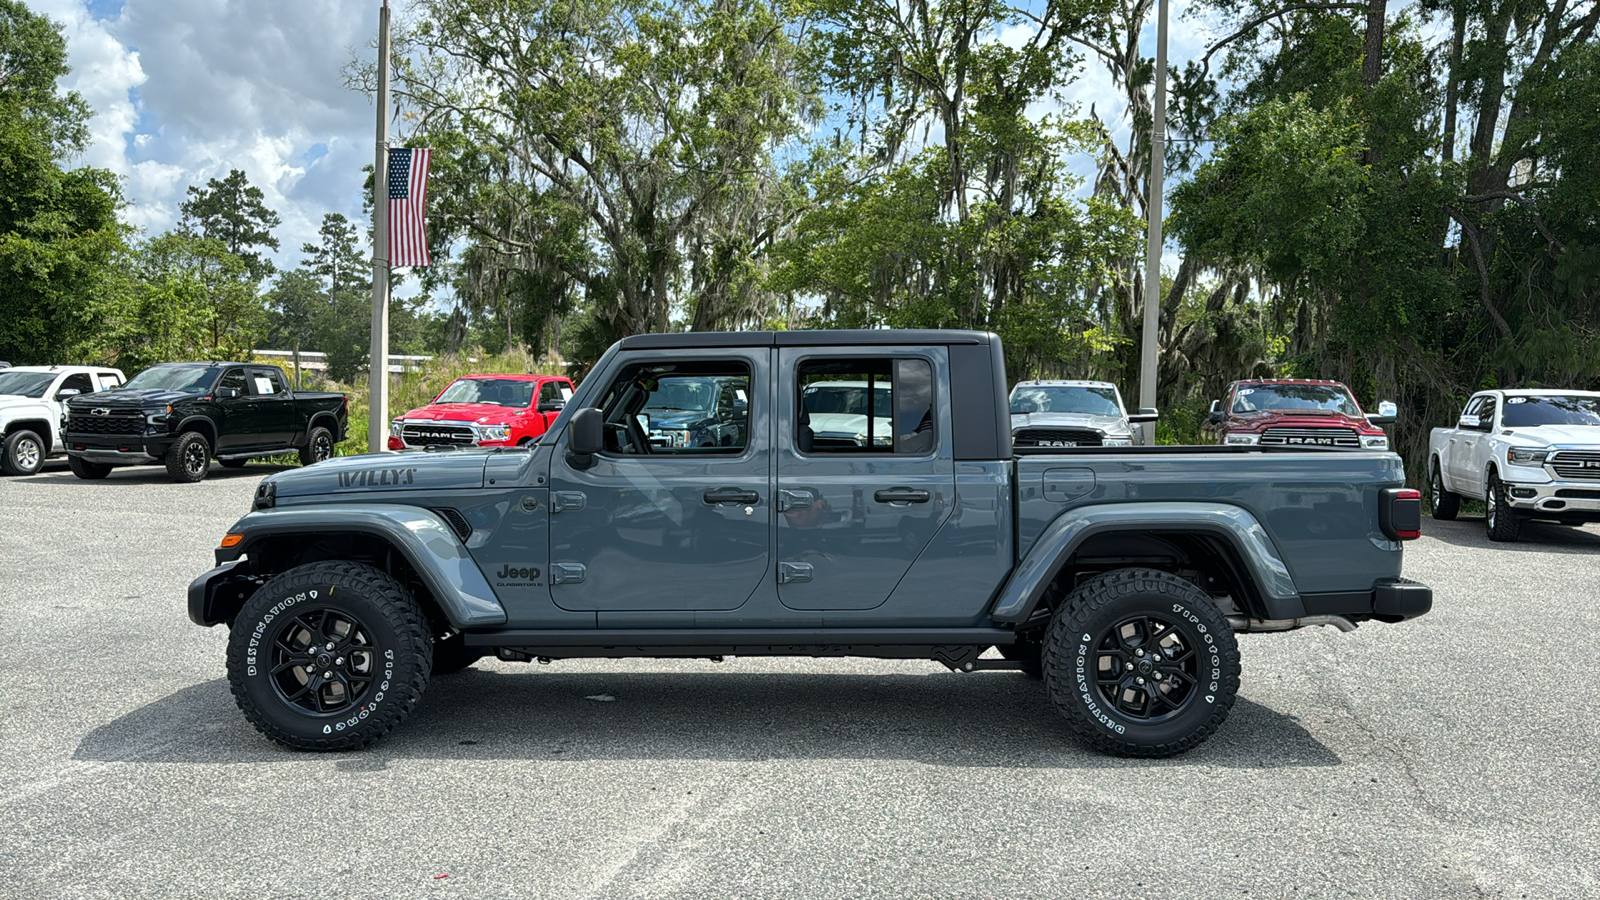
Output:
x,y
561,501
793,573
567,573
788,500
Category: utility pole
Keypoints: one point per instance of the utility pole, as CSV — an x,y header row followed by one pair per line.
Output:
x,y
1153,204
378,361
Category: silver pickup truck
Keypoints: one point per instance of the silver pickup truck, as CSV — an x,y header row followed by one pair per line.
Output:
x,y
1526,454
1119,575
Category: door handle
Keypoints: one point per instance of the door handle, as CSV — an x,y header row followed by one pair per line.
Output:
x,y
901,495
731,495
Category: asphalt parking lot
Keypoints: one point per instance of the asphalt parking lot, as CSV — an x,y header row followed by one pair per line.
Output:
x,y
1454,756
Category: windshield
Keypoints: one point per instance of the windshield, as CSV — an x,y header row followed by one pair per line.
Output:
x,y
850,399
683,394
1526,412
1092,401
1311,397
25,384
494,391
187,379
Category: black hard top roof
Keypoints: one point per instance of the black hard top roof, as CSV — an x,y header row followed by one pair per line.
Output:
x,y
209,365
843,337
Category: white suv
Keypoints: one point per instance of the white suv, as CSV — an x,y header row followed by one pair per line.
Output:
x,y
32,403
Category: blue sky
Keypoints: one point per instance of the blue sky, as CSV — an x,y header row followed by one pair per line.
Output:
x,y
185,90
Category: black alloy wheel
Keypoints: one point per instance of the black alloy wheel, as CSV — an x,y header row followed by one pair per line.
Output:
x,y
323,662
1146,667
22,453
319,446
189,458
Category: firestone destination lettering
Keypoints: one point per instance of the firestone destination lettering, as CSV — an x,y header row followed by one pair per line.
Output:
x,y
377,477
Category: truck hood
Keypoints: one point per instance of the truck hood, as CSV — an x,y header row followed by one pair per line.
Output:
x,y
485,413
1102,424
676,418
849,423
11,404
378,473
1551,435
1257,422
125,399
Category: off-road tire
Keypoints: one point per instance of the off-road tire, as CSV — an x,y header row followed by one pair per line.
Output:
x,y
1446,506
189,458
1183,623
452,654
385,655
1502,523
22,453
232,463
319,446
1028,655
91,471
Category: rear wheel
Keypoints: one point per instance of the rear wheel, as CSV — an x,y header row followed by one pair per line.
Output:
x,y
1445,504
319,446
1503,523
22,453
329,656
189,458
85,469
1141,663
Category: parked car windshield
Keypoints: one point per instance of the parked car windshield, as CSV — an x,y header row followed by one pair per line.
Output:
x,y
173,378
1081,399
1526,412
683,395
25,384
1262,397
494,391
847,397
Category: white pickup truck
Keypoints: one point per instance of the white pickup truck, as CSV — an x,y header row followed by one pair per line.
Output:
x,y
32,403
1525,454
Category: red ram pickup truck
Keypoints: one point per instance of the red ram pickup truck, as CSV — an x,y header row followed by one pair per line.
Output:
x,y
484,411
1297,412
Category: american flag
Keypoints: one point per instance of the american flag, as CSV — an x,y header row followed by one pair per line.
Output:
x,y
408,189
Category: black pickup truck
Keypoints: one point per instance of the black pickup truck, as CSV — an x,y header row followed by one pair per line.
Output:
x,y
183,414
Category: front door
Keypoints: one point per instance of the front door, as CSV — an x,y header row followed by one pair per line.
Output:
x,y
865,473
275,406
669,516
237,428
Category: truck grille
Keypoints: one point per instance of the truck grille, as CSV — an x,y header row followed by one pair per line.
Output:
x,y
1312,437
425,435
1056,437
115,421
1576,465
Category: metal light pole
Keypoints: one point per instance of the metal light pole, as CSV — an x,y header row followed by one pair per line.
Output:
x,y
378,361
1153,204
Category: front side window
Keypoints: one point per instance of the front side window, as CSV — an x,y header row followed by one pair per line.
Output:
x,y
871,406
234,378
672,409
77,382
1486,414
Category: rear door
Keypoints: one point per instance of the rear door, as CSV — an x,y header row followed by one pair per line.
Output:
x,y
657,528
865,474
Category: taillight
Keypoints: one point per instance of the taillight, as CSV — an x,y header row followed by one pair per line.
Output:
x,y
1400,513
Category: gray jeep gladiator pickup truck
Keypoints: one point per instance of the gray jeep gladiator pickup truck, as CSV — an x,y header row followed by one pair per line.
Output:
x,y
1118,575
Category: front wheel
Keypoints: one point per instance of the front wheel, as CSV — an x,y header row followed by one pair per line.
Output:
x,y
22,453
329,656
319,446
1500,520
1445,504
189,458
1141,663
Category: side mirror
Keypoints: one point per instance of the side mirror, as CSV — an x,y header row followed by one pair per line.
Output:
x,y
1468,422
64,393
586,433
229,393
1215,416
1385,416
1145,414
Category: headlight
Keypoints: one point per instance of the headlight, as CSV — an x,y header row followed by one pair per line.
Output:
x,y
1374,442
1242,439
493,432
395,428
1522,456
1117,441
156,415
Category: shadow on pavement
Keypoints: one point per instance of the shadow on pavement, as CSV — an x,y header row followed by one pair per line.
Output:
x,y
991,719
1540,537
150,475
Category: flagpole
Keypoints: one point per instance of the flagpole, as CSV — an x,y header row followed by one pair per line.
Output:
x,y
378,361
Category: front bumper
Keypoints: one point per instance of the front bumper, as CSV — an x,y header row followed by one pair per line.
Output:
x,y
117,450
218,595
1565,498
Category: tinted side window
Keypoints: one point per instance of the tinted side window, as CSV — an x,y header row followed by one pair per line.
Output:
x,y
856,406
670,409
79,382
1486,413
234,378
